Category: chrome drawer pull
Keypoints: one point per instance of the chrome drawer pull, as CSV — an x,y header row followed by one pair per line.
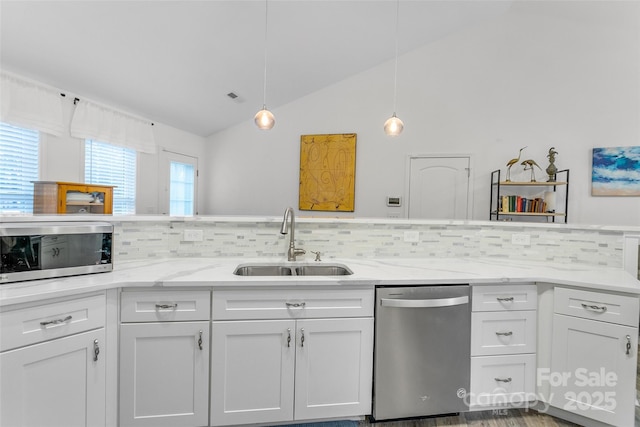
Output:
x,y
505,299
296,304
56,321
503,380
167,306
288,337
301,337
96,350
596,308
504,334
200,340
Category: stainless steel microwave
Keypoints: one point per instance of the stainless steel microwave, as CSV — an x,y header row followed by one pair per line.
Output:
x,y
39,250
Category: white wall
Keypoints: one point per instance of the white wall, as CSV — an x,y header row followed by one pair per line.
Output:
x,y
62,159
561,74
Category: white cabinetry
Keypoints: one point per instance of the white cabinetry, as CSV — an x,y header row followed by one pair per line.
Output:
x,y
594,355
164,358
303,354
503,345
52,368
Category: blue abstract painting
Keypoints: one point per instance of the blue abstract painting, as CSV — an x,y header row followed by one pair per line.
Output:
x,y
616,171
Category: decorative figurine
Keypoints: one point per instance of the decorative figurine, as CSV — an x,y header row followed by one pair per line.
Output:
x,y
529,164
551,169
511,163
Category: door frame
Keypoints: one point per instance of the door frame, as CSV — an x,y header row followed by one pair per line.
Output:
x,y
407,178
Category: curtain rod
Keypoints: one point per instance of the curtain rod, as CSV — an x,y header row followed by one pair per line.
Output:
x,y
76,100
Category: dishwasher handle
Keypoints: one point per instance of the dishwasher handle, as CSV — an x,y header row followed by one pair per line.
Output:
x,y
423,303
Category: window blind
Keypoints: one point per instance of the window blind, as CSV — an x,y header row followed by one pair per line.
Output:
x,y
18,168
107,164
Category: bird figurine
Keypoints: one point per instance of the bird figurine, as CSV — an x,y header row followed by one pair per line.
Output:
x,y
511,163
529,164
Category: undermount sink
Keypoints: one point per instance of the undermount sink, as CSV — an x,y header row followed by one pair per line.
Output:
x,y
323,270
262,270
292,270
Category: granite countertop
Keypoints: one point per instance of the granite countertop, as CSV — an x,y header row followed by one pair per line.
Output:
x,y
218,272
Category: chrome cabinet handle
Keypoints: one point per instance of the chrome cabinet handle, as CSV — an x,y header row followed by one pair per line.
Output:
x,y
288,337
167,306
503,380
504,334
96,350
628,345
296,304
505,299
56,321
301,337
596,308
200,340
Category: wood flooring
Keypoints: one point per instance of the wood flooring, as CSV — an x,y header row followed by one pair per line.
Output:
x,y
502,418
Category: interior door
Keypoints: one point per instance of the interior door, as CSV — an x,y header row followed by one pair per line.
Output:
x,y
439,187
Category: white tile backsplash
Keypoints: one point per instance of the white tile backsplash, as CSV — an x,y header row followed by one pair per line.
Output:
x,y
350,239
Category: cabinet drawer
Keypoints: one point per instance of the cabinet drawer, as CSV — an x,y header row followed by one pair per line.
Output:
x,y
499,380
619,309
292,303
504,297
48,321
510,332
164,306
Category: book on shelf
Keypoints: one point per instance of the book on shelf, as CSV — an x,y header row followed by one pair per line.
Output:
x,y
515,204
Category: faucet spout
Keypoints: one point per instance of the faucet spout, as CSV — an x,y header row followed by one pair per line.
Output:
x,y
289,226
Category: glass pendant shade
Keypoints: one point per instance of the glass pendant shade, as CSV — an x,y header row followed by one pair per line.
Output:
x,y
393,126
264,119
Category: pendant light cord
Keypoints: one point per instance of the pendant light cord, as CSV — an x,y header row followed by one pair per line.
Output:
x,y
266,23
395,76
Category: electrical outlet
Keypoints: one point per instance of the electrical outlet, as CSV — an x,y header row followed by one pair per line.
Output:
x,y
521,239
193,235
412,236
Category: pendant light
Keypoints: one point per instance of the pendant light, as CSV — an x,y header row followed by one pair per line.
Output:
x,y
393,126
264,118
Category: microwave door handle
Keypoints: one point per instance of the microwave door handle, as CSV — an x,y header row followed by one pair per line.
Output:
x,y
424,303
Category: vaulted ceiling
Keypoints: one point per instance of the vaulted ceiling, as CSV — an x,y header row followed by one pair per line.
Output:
x,y
175,61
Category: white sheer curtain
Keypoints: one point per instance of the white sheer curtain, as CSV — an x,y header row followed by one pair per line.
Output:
x,y
29,105
93,121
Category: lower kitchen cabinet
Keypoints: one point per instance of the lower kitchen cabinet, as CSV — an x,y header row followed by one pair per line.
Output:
x,y
54,383
592,371
503,346
284,370
164,374
333,368
594,355
52,363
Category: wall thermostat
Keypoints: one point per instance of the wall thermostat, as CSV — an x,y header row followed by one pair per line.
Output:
x,y
394,201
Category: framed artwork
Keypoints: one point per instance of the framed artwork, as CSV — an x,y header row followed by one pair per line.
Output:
x,y
616,171
327,172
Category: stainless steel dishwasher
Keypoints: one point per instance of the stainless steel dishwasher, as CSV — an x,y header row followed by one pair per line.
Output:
x,y
422,351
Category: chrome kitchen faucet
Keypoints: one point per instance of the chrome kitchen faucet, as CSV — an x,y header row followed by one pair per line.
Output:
x,y
293,251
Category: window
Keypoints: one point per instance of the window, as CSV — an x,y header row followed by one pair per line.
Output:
x,y
109,164
18,167
178,181
181,189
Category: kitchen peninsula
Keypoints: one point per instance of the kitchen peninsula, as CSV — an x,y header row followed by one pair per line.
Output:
x,y
159,260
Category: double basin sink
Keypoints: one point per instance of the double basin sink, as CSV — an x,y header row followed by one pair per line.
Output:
x,y
292,270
